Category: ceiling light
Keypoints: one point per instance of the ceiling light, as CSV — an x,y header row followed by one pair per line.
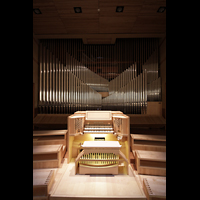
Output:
x,y
77,10
119,8
37,11
161,9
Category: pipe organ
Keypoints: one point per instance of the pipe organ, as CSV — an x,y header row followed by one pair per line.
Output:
x,y
98,142
72,75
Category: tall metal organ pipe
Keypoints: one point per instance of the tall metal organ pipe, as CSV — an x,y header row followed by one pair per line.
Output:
x,y
72,75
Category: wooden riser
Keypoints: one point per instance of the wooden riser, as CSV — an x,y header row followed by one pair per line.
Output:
x,y
149,147
150,162
51,137
148,142
152,171
47,156
42,164
40,190
47,142
41,198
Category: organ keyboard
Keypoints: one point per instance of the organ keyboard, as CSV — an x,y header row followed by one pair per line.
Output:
x,y
98,142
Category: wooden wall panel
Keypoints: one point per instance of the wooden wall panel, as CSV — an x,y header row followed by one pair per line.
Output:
x,y
162,66
35,73
154,108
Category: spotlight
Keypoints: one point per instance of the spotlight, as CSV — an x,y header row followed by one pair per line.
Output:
x,y
161,9
77,10
37,11
119,8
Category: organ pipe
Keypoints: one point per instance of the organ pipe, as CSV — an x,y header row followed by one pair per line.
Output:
x,y
72,74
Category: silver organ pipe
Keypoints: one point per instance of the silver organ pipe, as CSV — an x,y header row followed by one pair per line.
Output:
x,y
41,71
50,79
47,76
44,74
72,74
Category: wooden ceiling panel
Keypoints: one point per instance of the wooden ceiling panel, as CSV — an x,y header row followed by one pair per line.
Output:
x,y
58,19
131,8
151,19
38,3
81,25
149,9
67,6
116,24
149,28
45,26
99,41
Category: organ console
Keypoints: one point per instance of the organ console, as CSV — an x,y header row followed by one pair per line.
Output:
x,y
98,142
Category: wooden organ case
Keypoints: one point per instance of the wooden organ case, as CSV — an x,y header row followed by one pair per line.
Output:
x,y
98,142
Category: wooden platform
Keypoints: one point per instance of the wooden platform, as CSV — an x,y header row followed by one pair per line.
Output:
x,y
96,187
46,156
51,137
147,131
148,142
136,120
42,182
151,121
150,162
155,188
50,121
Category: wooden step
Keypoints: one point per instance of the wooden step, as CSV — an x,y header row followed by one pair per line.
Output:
x,y
132,158
148,142
51,137
47,156
42,182
150,162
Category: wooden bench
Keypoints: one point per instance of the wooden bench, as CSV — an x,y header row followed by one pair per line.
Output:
x,y
51,137
47,156
155,188
148,142
150,162
42,182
